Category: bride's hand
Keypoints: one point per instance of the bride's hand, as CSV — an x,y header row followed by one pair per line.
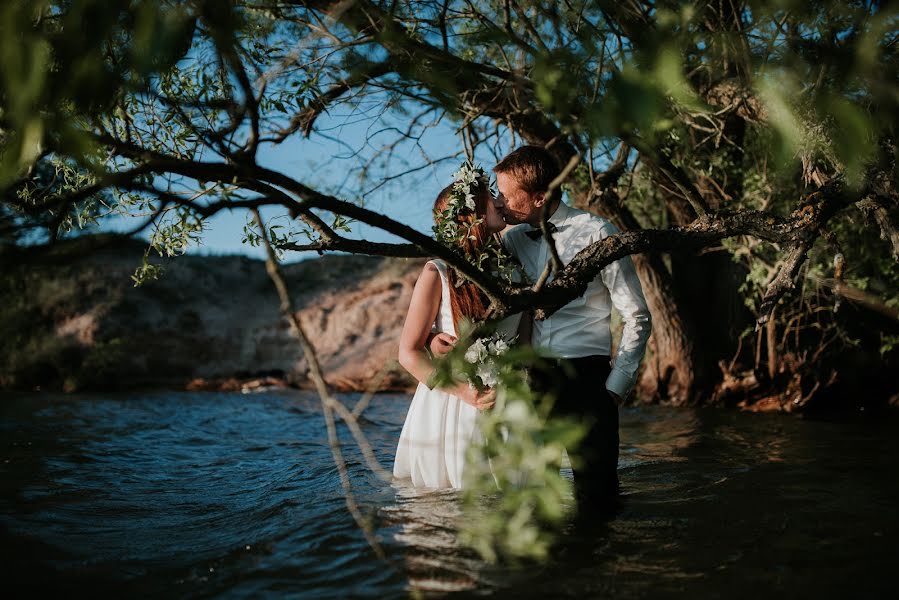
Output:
x,y
440,344
481,400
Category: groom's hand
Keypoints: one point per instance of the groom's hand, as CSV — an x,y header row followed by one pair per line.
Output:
x,y
440,344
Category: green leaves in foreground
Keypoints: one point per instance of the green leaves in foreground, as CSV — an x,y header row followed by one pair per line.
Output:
x,y
515,496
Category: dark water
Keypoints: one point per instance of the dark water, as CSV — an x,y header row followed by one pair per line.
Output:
x,y
230,495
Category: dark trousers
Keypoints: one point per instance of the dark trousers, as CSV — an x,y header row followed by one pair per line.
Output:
x,y
577,389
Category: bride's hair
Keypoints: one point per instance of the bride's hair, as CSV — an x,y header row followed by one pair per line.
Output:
x,y
466,299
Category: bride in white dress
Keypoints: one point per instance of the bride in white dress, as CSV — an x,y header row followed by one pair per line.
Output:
x,y
442,422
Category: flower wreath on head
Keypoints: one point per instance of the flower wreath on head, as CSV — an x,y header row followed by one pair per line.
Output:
x,y
447,231
462,201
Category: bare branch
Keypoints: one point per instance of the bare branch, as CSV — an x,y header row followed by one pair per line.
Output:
x,y
785,279
866,299
876,208
329,404
304,120
554,185
672,172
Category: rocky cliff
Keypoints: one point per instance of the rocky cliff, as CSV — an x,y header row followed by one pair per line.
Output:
x,y
71,318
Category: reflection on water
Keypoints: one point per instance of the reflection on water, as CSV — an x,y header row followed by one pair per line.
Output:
x,y
425,524
204,494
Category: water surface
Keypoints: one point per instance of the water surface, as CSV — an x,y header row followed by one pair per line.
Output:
x,y
196,495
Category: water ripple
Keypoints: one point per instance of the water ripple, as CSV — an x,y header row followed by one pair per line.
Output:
x,y
196,495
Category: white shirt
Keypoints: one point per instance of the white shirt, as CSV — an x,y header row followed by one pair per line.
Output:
x,y
583,326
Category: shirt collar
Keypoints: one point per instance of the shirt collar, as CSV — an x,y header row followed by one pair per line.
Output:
x,y
558,217
561,213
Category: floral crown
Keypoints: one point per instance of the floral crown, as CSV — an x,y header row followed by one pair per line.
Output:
x,y
461,201
492,257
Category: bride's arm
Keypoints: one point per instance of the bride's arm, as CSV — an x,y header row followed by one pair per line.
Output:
x,y
422,312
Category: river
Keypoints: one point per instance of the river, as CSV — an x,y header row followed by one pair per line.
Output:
x,y
225,495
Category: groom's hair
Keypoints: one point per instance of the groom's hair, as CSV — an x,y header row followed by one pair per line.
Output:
x,y
532,166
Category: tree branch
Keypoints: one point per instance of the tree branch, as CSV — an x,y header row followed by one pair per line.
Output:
x,y
329,403
784,281
876,208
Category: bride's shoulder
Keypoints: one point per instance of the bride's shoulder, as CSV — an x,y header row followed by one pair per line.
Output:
x,y
429,281
436,264
431,270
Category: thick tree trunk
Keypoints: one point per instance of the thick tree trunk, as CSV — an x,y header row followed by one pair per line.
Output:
x,y
708,288
673,371
706,285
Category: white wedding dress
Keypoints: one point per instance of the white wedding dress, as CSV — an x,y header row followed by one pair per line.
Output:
x,y
440,427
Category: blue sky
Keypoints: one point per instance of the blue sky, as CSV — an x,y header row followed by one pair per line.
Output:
x,y
323,161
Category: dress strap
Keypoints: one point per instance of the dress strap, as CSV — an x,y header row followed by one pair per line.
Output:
x,y
445,314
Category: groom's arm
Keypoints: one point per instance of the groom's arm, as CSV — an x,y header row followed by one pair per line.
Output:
x,y
626,292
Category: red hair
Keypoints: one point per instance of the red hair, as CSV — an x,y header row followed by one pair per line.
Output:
x,y
467,299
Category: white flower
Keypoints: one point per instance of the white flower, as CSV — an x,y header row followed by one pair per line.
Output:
x,y
465,175
476,352
488,373
482,352
500,346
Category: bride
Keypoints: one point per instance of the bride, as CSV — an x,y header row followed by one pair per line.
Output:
x,y
441,422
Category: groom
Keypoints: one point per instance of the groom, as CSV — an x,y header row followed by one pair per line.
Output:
x,y
576,340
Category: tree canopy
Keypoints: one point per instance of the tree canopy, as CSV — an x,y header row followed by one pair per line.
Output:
x,y
761,130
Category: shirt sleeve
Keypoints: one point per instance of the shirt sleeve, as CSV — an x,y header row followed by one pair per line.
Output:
x,y
626,293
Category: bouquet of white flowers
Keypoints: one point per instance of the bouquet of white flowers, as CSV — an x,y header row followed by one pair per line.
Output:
x,y
483,353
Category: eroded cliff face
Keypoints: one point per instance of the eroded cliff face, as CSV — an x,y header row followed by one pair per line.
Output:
x,y
73,320
357,328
